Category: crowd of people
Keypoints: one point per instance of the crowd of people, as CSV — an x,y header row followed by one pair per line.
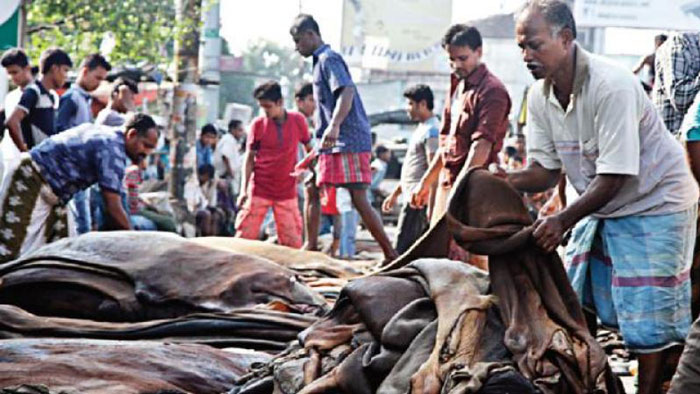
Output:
x,y
628,163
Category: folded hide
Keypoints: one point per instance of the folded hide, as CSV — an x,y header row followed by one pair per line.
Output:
x,y
114,367
255,329
137,276
429,326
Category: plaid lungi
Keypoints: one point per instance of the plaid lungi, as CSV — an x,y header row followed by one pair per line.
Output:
x,y
634,272
30,213
338,169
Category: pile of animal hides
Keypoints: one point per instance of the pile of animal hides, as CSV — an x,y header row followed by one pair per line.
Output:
x,y
128,312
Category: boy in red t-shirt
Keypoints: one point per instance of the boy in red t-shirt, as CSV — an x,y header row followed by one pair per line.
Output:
x,y
271,154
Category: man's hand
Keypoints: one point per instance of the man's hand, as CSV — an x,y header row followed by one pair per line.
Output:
x,y
420,195
330,137
241,200
389,202
549,232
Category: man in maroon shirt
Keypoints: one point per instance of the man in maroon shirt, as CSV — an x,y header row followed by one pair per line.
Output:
x,y
271,154
475,119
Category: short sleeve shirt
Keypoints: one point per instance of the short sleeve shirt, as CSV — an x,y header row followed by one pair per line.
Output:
x,y
80,157
132,181
275,148
330,75
423,142
38,104
484,106
204,154
227,147
610,127
109,117
73,109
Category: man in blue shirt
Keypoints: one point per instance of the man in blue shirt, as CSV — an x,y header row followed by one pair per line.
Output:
x,y
342,126
205,145
38,186
74,110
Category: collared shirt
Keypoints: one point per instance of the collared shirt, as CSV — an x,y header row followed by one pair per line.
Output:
x,y
38,103
73,109
331,74
485,105
423,142
132,181
610,127
677,78
80,157
109,117
204,154
275,149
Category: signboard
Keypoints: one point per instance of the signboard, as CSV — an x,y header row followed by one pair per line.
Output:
x,y
647,14
395,35
9,24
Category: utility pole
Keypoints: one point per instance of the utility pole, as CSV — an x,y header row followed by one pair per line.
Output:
x,y
210,59
183,122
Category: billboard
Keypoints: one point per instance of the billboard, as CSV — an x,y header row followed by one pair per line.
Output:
x,y
647,14
395,35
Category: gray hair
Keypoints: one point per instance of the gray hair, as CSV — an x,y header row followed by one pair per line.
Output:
x,y
557,13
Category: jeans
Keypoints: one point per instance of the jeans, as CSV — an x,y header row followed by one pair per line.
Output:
x,y
141,223
80,205
350,221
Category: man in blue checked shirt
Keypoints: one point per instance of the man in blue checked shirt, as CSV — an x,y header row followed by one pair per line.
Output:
x,y
37,187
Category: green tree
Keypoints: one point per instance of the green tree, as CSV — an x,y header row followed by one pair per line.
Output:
x,y
142,29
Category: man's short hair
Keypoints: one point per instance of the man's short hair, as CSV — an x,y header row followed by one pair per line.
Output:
x,y
206,169
209,129
14,57
462,36
53,57
303,23
119,82
269,90
420,93
141,122
94,60
304,90
556,13
234,124
661,38
380,149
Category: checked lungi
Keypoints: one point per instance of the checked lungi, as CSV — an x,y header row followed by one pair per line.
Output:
x,y
344,169
30,213
634,272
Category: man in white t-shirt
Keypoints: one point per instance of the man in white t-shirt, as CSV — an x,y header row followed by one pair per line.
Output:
x,y
227,156
633,226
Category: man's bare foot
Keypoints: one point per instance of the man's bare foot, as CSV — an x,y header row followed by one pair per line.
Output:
x,y
311,248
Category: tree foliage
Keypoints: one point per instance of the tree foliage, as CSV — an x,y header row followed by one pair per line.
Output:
x,y
143,30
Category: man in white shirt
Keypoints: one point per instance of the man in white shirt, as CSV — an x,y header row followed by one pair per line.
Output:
x,y
634,223
227,156
121,101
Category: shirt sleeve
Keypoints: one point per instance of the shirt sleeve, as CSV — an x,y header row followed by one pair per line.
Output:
x,y
66,110
617,131
540,143
253,140
337,73
28,100
111,169
492,116
431,140
304,136
680,63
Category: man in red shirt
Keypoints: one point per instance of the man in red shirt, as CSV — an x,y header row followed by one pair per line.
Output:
x,y
475,119
271,154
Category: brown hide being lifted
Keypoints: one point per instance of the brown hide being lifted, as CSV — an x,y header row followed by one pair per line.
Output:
x,y
256,329
430,326
113,367
137,276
